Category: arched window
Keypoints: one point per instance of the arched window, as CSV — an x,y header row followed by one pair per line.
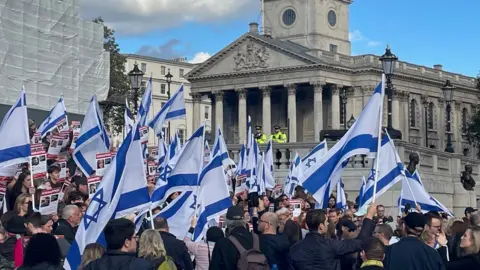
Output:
x,y
464,120
413,113
430,115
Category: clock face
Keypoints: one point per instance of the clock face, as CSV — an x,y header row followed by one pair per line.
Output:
x,y
332,18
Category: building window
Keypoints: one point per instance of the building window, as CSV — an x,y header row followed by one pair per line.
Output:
x,y
162,89
181,135
181,73
144,67
431,116
206,112
333,48
413,113
289,16
162,70
464,120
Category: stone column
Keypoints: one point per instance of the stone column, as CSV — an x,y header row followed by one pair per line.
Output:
x,y
350,106
442,122
197,120
404,98
336,106
218,110
396,110
292,112
266,110
318,109
457,128
242,114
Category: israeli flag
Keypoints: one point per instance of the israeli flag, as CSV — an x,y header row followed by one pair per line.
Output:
x,y
361,193
145,105
128,118
182,172
341,197
179,213
242,163
14,135
134,191
104,203
252,165
213,196
220,148
361,138
294,174
414,191
173,109
315,155
206,152
93,139
390,171
57,114
268,172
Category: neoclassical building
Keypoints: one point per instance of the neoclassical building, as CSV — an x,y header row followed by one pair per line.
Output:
x,y
294,70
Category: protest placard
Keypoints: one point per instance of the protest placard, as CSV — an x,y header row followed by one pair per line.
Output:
x,y
55,147
76,127
93,183
36,139
103,161
143,134
152,168
295,207
49,201
37,147
62,125
277,191
154,153
63,169
38,161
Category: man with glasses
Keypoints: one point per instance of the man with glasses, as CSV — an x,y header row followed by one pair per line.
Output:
x,y
274,246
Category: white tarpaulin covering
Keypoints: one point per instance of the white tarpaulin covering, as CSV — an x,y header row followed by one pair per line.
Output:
x,y
45,46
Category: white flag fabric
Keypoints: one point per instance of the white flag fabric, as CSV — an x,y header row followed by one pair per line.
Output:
x,y
220,147
93,140
57,114
315,155
14,135
361,193
341,197
361,138
268,172
173,109
294,173
145,105
213,196
179,214
104,203
252,166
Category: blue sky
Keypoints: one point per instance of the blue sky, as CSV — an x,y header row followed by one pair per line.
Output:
x,y
425,32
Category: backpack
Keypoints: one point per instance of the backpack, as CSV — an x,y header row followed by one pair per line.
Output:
x,y
168,264
252,259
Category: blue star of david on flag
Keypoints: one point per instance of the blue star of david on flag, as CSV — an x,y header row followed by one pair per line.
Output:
x,y
310,160
164,173
99,203
372,175
194,202
48,120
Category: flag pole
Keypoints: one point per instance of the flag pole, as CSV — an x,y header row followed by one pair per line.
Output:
x,y
410,187
379,141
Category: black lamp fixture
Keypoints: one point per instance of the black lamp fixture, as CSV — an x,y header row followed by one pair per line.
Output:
x,y
351,121
389,61
448,90
136,76
168,78
343,98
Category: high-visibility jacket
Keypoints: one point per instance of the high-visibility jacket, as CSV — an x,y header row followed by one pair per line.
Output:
x,y
279,137
261,138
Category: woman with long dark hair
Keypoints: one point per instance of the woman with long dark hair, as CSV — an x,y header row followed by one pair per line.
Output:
x,y
18,186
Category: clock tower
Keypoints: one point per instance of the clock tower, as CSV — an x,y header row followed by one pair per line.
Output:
x,y
316,24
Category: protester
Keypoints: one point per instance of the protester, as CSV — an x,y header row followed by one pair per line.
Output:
x,y
15,227
176,249
318,252
91,253
381,215
67,226
274,246
203,250
385,234
410,252
468,213
42,253
471,245
17,186
373,253
121,248
151,248
23,205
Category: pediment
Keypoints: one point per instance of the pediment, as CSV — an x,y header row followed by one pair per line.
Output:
x,y
249,54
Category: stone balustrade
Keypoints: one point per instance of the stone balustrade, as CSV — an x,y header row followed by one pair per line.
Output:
x,y
440,172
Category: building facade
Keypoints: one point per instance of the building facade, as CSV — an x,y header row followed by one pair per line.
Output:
x,y
157,69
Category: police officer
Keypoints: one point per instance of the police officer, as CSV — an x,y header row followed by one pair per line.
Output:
x,y
260,137
278,136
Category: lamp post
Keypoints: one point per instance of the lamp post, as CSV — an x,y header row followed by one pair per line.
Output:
x,y
168,77
351,121
343,97
425,105
389,61
448,90
136,76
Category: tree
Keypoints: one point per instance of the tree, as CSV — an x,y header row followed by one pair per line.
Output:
x,y
473,129
113,108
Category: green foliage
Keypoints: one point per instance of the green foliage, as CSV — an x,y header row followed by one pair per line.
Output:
x,y
473,129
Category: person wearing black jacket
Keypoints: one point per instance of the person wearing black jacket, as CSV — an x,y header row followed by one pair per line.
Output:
x,y
318,252
121,248
176,249
67,226
274,246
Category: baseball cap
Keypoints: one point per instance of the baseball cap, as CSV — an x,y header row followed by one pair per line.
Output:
x,y
469,210
234,213
415,220
349,224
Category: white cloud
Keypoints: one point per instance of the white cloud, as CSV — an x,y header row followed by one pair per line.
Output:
x,y
142,16
356,35
372,43
200,57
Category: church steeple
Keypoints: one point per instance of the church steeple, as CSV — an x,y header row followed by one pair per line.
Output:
x,y
317,24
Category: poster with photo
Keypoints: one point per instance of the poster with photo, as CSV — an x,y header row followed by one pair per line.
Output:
x,y
55,147
38,161
152,168
36,139
3,191
277,191
62,125
103,161
37,147
49,201
143,134
154,153
240,184
76,127
63,169
93,183
66,138
295,208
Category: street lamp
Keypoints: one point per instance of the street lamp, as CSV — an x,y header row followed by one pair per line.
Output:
x,y
168,77
351,122
448,90
136,76
389,61
343,97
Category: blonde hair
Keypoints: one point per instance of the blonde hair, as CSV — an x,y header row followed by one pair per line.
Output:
x,y
92,252
475,238
19,202
151,245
